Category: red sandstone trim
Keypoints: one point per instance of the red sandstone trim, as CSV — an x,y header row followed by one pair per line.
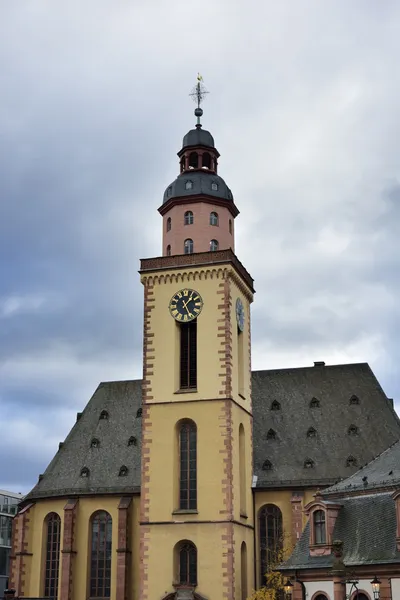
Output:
x,y
297,518
123,551
19,550
67,551
229,204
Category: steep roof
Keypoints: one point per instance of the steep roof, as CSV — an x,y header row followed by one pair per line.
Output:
x,y
316,400
293,389
383,471
367,527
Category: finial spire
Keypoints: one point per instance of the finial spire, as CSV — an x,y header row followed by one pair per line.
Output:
x,y
198,95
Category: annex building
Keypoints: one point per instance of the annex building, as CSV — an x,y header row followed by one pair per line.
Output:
x,y
179,485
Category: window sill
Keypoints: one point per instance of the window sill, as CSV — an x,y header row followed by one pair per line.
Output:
x,y
186,391
185,511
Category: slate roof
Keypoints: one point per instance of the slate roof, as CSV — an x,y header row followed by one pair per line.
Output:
x,y
367,527
198,137
382,472
292,388
201,184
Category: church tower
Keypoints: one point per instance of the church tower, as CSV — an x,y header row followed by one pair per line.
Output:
x,y
196,517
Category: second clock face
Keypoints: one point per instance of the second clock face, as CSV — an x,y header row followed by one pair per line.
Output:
x,y
185,305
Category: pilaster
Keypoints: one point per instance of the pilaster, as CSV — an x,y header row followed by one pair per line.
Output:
x,y
67,552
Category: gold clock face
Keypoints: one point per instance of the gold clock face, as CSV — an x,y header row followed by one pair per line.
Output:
x,y
186,305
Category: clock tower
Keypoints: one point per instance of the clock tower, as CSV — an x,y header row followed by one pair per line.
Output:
x,y
196,516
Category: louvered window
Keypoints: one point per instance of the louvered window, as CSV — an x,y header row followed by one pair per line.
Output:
x,y
53,522
188,466
188,362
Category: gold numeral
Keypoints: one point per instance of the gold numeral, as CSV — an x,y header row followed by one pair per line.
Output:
x,y
179,294
179,317
174,313
196,310
191,315
186,292
185,317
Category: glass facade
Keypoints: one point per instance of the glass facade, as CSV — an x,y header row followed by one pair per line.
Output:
x,y
8,508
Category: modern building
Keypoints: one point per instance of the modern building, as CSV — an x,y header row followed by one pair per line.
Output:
x,y
180,484
352,536
8,508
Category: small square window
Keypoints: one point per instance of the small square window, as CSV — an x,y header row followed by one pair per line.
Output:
x,y
189,185
214,186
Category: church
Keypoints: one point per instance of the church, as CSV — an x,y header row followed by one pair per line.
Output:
x,y
184,483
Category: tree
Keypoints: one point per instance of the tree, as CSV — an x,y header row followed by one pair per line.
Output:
x,y
274,579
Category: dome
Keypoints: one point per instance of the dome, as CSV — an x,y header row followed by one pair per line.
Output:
x,y
198,137
198,182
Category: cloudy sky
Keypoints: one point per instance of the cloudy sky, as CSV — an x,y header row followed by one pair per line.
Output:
x,y
93,107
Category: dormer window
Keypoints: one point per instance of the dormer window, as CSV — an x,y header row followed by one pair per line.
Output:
x,y
188,185
351,462
319,527
352,430
85,472
103,415
314,403
95,443
267,465
311,433
123,472
132,441
309,463
139,413
275,405
354,400
214,186
271,435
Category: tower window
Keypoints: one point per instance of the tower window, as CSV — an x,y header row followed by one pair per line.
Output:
x,y
214,218
168,250
319,527
214,245
275,405
188,246
230,226
182,164
169,224
215,164
188,185
188,564
309,463
188,358
206,161
188,218
53,523
314,403
354,400
271,435
193,160
100,555
188,466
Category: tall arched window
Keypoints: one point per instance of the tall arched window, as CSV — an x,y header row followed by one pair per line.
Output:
x,y
242,470
169,224
187,466
214,218
206,161
187,563
182,164
100,554
188,246
53,532
193,160
271,537
214,245
189,218
319,527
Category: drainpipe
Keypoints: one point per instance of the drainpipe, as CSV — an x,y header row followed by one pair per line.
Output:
x,y
253,486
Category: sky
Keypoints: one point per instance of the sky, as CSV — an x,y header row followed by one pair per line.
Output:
x,y
304,108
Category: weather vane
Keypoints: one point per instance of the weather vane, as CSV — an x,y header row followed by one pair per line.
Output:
x,y
198,94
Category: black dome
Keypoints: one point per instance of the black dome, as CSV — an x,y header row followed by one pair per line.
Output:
x,y
198,137
198,182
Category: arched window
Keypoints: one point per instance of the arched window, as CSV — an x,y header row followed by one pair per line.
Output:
x,y
351,461
188,246
187,466
53,531
242,470
187,553
320,597
230,226
100,554
275,405
213,218
314,403
271,537
206,161
193,160
169,224
188,219
168,250
132,441
354,400
357,595
319,527
214,245
243,570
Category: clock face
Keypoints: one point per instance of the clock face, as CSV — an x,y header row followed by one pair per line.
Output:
x,y
185,305
240,314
